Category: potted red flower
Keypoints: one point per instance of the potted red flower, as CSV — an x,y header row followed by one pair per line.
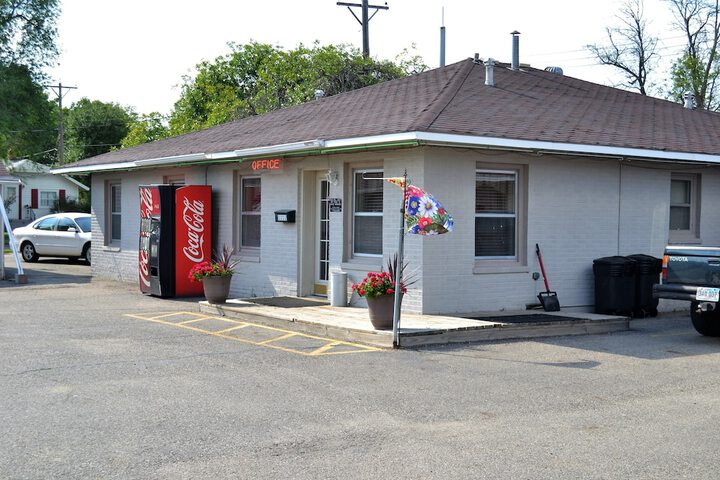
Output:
x,y
378,289
215,275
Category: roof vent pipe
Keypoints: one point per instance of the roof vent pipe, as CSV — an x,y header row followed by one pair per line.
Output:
x,y
442,40
515,50
689,99
489,64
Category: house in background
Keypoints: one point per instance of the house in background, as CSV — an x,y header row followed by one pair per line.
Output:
x,y
517,155
9,186
39,189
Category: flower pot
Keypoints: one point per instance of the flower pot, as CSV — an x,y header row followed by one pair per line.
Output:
x,y
381,311
217,289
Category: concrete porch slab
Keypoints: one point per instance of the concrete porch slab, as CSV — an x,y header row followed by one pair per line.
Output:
x,y
352,324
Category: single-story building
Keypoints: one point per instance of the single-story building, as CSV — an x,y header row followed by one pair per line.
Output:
x,y
519,156
38,190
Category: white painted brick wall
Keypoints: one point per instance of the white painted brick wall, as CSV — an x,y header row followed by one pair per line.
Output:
x,y
578,210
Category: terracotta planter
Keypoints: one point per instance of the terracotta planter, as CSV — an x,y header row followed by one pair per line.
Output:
x,y
381,311
216,289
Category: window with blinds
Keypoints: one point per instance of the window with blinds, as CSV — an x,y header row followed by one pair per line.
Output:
x,y
250,198
367,212
113,212
684,208
496,216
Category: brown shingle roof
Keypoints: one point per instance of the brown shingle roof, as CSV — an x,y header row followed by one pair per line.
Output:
x,y
529,104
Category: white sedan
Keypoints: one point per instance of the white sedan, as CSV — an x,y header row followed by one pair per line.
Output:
x,y
57,235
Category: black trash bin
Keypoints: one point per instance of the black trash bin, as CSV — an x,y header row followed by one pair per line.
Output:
x,y
647,274
614,285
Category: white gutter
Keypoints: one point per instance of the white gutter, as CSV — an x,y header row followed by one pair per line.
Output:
x,y
556,147
282,148
95,168
429,138
79,184
191,157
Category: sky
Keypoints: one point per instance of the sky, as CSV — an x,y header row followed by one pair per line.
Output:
x,y
135,52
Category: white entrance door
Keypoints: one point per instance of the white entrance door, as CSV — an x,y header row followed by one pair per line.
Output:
x,y
322,247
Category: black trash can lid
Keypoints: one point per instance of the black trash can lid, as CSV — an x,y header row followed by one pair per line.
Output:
x,y
616,260
643,258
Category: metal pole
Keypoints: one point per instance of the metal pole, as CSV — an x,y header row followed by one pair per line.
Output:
x,y
365,29
61,129
442,40
13,245
399,270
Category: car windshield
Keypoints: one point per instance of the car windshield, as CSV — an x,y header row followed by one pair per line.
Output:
x,y
83,223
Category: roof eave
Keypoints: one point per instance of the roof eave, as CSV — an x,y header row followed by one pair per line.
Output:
x,y
394,140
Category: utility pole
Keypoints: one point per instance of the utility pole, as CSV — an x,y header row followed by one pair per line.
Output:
x,y
365,20
61,128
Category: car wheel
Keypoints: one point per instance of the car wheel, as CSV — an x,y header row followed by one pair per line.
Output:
x,y
87,254
706,323
28,252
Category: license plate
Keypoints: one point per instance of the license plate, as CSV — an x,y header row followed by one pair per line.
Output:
x,y
707,294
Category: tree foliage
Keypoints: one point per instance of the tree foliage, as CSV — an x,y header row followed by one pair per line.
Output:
x,y
28,33
93,127
257,78
28,126
697,70
630,47
146,128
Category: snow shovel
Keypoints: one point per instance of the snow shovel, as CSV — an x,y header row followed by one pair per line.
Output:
x,y
547,298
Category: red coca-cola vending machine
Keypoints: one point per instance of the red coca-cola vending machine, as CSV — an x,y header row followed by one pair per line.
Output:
x,y
174,236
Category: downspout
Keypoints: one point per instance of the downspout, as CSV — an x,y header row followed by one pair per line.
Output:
x,y
620,169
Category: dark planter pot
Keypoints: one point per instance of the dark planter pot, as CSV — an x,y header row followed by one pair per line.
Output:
x,y
216,289
381,311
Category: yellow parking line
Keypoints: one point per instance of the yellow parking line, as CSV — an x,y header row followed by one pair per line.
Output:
x,y
281,337
324,350
238,327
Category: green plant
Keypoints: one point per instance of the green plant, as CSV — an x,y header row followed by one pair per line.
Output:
x,y
223,266
376,284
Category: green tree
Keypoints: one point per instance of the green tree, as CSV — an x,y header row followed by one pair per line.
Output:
x,y
221,90
146,128
257,78
697,70
93,127
28,33
28,120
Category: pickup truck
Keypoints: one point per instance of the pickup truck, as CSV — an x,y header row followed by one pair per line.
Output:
x,y
693,274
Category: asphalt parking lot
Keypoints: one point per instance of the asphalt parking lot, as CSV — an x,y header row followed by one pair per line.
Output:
x,y
99,381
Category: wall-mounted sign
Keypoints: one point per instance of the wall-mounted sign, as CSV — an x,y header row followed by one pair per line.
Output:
x,y
267,164
335,204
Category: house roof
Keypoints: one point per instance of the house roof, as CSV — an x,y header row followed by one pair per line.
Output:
x,y
5,175
530,106
26,167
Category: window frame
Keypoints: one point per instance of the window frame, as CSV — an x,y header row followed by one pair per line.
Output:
x,y
519,261
248,249
110,214
691,235
354,213
47,204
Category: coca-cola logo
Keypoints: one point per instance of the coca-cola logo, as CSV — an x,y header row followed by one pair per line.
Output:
x,y
146,201
145,267
194,219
